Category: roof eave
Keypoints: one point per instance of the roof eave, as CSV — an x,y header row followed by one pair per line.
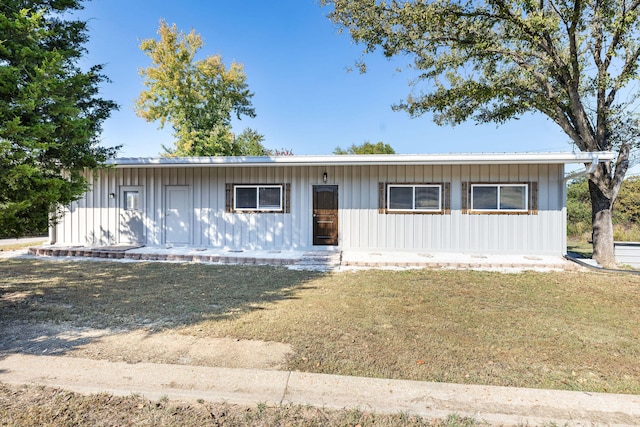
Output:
x,y
360,160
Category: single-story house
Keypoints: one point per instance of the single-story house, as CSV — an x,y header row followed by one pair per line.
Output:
x,y
470,203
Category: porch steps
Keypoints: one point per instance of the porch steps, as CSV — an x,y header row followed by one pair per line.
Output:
x,y
112,252
320,260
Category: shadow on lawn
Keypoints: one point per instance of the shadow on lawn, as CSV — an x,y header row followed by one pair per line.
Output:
x,y
52,307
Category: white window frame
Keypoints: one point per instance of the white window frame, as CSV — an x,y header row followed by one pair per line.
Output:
x,y
499,186
126,200
258,208
414,208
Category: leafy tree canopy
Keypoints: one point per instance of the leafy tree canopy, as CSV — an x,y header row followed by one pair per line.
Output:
x,y
627,208
196,96
366,148
249,143
575,61
50,113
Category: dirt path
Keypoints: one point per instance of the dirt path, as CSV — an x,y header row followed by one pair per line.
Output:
x,y
142,346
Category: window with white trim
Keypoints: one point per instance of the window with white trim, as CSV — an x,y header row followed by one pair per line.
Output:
x,y
257,198
499,197
414,198
131,200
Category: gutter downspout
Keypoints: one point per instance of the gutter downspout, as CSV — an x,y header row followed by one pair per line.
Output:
x,y
595,161
53,229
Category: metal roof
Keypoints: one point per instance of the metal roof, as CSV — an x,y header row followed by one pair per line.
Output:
x,y
368,159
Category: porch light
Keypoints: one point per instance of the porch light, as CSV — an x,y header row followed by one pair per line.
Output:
x,y
112,195
324,177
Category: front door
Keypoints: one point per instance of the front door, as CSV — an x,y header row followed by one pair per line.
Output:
x,y
131,215
325,215
177,217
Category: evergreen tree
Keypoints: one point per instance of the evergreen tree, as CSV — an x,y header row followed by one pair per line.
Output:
x,y
50,112
366,148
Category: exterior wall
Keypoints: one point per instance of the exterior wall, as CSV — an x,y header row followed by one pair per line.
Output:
x,y
627,253
94,220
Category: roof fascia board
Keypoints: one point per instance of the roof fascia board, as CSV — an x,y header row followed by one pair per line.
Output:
x,y
361,160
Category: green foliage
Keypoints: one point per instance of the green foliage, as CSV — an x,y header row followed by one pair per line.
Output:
x,y
197,97
627,208
50,114
366,148
493,61
579,210
249,143
626,212
578,202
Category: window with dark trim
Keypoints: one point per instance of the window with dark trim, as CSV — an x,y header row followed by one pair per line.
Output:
x,y
408,197
414,198
257,198
503,198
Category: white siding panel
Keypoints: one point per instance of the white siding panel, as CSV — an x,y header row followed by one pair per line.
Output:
x,y
94,219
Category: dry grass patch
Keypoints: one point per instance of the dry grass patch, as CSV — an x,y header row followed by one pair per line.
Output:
x,y
576,331
133,295
20,245
40,406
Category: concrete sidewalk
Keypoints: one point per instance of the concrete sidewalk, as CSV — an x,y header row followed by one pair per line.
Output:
x,y
496,405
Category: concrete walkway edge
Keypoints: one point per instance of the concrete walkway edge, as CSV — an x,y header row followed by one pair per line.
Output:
x,y
495,405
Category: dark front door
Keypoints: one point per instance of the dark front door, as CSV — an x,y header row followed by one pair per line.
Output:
x,y
325,214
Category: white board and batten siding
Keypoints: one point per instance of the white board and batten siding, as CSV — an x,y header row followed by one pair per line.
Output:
x,y
192,200
627,253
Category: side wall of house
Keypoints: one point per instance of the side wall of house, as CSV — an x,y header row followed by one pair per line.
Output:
x,y
96,219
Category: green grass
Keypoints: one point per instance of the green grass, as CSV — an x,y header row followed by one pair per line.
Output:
x,y
581,247
575,331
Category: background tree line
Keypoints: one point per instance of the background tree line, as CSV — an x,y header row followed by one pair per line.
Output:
x,y
626,212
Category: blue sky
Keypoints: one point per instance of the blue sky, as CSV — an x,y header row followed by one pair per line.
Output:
x,y
297,66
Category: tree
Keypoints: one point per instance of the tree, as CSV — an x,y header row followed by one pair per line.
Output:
x,y
578,208
50,113
197,97
574,61
249,143
628,202
626,218
366,148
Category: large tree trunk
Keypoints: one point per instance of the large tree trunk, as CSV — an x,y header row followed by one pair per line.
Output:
x,y
601,207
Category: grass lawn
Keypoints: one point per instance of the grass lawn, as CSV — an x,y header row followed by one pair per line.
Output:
x,y
38,406
581,247
20,245
575,331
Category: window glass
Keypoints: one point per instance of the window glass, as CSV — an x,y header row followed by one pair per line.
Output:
x,y
427,198
246,198
269,198
484,197
401,198
408,197
499,197
258,197
132,200
513,197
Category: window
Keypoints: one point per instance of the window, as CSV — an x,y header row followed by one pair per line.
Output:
x,y
131,200
499,197
257,198
414,197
